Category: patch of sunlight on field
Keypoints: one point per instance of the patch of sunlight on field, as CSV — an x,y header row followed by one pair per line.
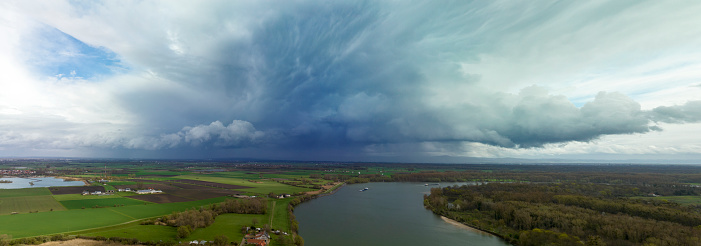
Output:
x,y
259,186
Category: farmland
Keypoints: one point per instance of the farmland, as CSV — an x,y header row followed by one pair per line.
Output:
x,y
25,225
262,186
26,204
105,202
184,186
24,192
27,200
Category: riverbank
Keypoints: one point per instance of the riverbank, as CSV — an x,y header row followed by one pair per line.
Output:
x,y
466,227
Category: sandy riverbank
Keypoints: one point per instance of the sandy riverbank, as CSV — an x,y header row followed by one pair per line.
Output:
x,y
73,179
466,227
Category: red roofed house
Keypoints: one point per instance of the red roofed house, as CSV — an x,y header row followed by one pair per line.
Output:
x,y
259,239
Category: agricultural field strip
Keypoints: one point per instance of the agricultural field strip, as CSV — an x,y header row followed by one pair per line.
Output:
x,y
263,187
71,197
683,200
106,202
24,192
210,184
97,217
24,204
102,227
272,213
122,214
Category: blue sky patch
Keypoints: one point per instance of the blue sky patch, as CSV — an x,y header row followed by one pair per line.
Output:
x,y
55,53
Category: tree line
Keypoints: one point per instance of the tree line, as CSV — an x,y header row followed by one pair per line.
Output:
x,y
567,214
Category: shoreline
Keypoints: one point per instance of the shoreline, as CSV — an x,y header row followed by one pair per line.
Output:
x,y
463,226
72,179
472,228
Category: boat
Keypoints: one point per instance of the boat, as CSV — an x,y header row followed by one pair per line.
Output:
x,y
366,188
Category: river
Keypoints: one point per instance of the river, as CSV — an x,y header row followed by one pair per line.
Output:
x,y
385,214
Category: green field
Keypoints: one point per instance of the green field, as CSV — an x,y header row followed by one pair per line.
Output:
x,y
225,224
228,225
105,202
24,192
25,204
158,172
122,183
68,197
32,224
683,200
280,219
262,187
135,230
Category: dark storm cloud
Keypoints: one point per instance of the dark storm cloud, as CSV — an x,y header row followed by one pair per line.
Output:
x,y
350,74
353,77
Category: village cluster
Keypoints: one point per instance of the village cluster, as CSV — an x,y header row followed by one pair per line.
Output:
x,y
16,172
258,238
109,192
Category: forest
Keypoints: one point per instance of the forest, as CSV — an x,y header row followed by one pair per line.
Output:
x,y
575,212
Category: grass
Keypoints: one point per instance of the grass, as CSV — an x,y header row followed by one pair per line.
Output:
x,y
228,225
157,172
25,204
135,230
34,224
683,200
280,218
106,202
24,192
68,197
225,224
260,187
122,183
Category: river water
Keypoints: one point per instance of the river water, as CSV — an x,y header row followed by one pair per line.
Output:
x,y
19,183
385,214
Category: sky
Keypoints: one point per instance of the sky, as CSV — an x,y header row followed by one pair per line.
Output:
x,y
399,81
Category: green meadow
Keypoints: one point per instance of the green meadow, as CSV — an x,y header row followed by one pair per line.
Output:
x,y
68,197
683,200
228,225
278,212
134,230
106,202
34,224
122,183
26,204
225,224
24,192
260,186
